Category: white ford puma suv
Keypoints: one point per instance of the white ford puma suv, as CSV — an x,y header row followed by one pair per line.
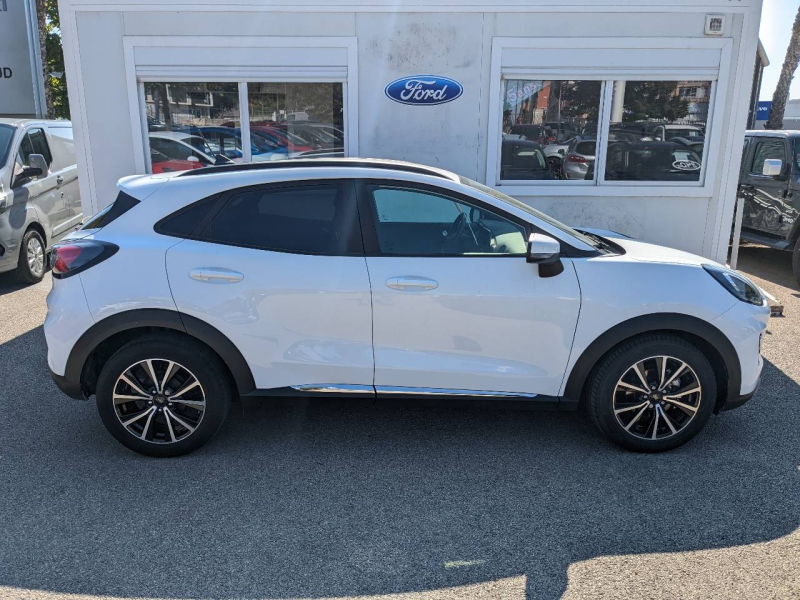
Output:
x,y
383,279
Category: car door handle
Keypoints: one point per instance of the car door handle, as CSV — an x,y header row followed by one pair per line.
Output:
x,y
215,275
59,180
411,284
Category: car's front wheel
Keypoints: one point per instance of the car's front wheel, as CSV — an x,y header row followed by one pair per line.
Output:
x,y
653,393
32,258
796,260
165,395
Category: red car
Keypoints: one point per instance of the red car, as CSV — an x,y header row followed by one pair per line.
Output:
x,y
161,163
282,137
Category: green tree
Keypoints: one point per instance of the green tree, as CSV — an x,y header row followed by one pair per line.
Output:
x,y
646,100
790,63
55,79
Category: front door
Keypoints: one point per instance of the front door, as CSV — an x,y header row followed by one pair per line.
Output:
x,y
456,307
766,204
280,271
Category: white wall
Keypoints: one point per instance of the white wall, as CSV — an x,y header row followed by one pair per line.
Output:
x,y
394,41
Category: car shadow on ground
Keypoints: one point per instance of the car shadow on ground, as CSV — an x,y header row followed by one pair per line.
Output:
x,y
304,499
769,264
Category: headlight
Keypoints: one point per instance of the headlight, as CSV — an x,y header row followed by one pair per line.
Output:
x,y
738,285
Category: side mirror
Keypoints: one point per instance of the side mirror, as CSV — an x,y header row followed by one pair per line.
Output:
x,y
193,159
772,167
543,250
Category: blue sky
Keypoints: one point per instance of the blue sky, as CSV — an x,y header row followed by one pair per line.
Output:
x,y
777,18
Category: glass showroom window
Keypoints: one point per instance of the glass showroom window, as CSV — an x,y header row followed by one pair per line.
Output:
x,y
296,119
545,124
657,131
192,125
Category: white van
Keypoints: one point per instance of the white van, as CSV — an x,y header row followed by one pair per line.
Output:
x,y
40,200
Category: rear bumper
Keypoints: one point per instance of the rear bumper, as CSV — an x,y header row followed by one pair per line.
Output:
x,y
69,387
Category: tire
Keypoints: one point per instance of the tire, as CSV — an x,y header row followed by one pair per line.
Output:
x,y
186,410
796,261
616,398
32,258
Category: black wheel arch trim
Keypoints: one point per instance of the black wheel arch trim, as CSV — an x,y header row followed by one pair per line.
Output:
x,y
162,318
653,323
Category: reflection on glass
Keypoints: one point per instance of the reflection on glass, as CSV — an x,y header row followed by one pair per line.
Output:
x,y
192,125
657,130
542,120
296,119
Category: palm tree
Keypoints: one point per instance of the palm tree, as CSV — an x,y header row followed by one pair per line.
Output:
x,y
787,73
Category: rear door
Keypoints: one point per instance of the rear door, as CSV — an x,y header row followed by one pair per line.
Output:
x,y
280,270
456,307
765,197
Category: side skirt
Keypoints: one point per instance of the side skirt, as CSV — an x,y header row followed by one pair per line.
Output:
x,y
427,395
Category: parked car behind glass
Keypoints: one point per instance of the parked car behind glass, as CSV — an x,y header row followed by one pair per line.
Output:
x,y
39,196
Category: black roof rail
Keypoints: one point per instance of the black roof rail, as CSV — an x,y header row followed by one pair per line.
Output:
x,y
294,163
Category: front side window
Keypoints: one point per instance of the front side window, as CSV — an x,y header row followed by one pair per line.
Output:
x,y
309,219
413,222
38,142
657,131
540,120
767,149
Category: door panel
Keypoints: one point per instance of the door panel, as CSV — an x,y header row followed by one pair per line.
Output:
x,y
766,206
297,319
489,324
298,308
455,304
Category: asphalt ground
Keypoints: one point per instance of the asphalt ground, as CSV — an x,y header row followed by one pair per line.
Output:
x,y
299,499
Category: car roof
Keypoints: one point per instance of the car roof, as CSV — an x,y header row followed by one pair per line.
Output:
x,y
787,133
173,135
296,165
19,122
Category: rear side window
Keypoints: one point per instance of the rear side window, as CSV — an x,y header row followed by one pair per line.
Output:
x,y
112,212
184,222
307,219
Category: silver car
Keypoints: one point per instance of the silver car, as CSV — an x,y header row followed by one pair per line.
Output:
x,y
39,196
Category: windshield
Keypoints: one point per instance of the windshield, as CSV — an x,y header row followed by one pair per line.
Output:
x,y
6,135
530,210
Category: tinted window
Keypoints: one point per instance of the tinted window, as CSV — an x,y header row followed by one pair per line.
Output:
x,y
184,222
112,212
416,222
767,149
6,135
313,219
39,144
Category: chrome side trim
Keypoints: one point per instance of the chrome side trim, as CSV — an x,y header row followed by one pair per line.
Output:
x,y
410,391
330,388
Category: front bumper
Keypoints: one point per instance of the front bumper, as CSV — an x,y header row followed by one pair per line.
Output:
x,y
734,402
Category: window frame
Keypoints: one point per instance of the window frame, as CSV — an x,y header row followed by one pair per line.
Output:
x,y
713,151
348,192
369,217
208,70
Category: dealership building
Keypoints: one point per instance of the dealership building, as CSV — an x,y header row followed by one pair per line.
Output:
x,y
626,115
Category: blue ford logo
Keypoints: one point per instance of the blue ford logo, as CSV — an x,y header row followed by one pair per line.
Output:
x,y
424,89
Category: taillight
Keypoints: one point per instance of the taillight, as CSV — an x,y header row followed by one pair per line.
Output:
x,y
71,257
576,158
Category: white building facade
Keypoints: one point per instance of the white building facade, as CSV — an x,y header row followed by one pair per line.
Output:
x,y
626,115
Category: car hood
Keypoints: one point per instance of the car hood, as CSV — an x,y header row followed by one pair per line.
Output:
x,y
646,252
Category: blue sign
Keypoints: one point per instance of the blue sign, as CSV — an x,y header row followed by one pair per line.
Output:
x,y
424,90
764,108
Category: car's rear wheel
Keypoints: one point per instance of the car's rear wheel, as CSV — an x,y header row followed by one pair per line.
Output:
x,y
796,260
163,396
653,393
32,258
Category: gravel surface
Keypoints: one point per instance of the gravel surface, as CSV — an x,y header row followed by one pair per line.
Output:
x,y
313,500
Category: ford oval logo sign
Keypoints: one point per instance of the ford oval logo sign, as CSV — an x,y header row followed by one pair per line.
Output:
x,y
424,89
